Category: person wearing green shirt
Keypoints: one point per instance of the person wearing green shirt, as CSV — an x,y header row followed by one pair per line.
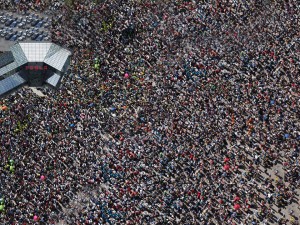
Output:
x,y
97,66
2,206
12,168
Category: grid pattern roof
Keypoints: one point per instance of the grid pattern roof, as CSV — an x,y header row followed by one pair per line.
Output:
x,y
49,53
53,80
10,83
59,59
35,51
8,68
18,54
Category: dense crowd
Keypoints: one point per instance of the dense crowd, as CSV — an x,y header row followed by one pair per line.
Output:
x,y
172,112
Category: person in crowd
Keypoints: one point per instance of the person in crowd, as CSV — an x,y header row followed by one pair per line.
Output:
x,y
172,112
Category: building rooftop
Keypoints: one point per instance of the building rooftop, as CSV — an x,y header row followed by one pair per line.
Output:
x,y
37,63
10,83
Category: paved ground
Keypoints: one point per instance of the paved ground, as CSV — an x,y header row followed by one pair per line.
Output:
x,y
294,206
37,92
276,173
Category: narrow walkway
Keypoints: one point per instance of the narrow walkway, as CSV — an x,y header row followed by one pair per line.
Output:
x,y
37,92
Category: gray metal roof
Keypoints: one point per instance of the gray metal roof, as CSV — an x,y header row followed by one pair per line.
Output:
x,y
8,68
18,54
6,58
53,80
10,83
53,49
58,59
49,53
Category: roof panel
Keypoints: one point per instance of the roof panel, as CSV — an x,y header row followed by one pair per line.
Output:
x,y
53,49
18,54
58,59
53,80
8,68
35,51
10,83
6,58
